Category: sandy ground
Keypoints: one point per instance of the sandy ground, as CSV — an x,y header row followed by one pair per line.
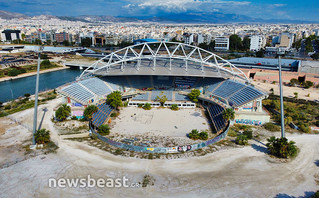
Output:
x,y
289,91
238,172
159,121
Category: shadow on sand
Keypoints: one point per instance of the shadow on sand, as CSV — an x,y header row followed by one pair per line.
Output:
x,y
260,148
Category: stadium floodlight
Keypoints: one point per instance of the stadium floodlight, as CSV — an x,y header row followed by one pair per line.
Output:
x,y
280,53
36,95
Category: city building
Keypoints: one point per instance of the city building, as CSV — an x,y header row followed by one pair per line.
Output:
x,y
60,37
188,38
257,43
10,35
222,43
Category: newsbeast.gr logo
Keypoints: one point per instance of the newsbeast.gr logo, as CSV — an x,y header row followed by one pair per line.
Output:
x,y
91,183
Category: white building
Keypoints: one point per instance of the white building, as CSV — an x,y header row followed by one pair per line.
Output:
x,y
257,43
188,38
222,43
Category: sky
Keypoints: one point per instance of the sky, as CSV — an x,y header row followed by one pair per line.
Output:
x,y
267,9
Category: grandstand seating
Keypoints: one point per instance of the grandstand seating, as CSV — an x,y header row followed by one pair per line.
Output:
x,y
184,82
101,115
96,85
203,82
179,97
163,82
168,94
244,96
215,112
77,92
142,97
227,88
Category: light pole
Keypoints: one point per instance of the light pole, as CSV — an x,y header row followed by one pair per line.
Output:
x,y
281,95
36,96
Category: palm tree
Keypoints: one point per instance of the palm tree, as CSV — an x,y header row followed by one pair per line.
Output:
x,y
42,136
229,114
63,112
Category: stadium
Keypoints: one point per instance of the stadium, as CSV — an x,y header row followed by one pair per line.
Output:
x,y
146,71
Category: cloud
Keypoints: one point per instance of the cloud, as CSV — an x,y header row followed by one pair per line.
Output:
x,y
278,5
182,5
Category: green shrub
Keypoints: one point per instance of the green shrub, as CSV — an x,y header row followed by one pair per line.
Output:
x,y
280,147
113,114
232,133
194,134
193,95
305,128
140,105
271,127
8,106
174,107
241,140
104,129
316,195
203,135
248,134
88,111
74,118
147,106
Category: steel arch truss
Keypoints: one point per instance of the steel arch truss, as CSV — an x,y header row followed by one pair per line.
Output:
x,y
163,50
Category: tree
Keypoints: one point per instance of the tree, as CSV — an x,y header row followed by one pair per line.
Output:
x,y
115,99
161,98
48,42
55,43
280,147
66,43
246,43
42,136
38,42
45,63
104,129
193,95
297,44
88,111
63,112
229,114
260,53
86,42
235,42
315,56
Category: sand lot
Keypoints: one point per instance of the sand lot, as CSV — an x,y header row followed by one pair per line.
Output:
x,y
158,121
237,172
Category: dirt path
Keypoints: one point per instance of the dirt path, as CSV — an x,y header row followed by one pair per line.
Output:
x,y
237,172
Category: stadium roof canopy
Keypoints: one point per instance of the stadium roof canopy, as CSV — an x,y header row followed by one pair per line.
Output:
x,y
164,58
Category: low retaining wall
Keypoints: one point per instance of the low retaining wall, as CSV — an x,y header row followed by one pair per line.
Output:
x,y
175,149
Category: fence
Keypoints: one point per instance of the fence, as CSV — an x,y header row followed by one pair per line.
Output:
x,y
175,149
